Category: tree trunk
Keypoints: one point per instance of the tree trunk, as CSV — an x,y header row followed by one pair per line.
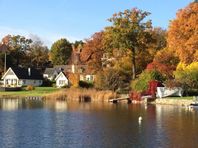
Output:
x,y
133,64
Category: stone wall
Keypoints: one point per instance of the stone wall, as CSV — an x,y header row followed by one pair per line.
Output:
x,y
180,102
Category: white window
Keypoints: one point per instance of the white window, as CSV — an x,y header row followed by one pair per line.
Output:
x,y
61,82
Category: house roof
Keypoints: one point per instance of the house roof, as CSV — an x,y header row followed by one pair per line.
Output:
x,y
61,73
50,71
23,73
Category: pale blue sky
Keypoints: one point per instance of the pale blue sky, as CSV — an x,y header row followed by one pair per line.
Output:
x,y
75,19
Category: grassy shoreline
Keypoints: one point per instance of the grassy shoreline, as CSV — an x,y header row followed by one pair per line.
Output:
x,y
68,94
38,91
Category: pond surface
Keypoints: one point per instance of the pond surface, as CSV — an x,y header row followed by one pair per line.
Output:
x,y
56,124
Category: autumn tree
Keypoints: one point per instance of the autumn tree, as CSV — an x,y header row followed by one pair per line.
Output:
x,y
109,79
38,55
18,47
3,52
165,62
92,52
183,34
128,32
61,52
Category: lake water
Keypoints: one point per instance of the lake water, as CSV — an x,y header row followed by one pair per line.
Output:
x,y
49,124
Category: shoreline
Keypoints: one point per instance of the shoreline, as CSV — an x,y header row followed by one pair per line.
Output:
x,y
158,101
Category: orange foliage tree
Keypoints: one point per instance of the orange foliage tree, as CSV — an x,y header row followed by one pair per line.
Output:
x,y
92,52
183,34
73,79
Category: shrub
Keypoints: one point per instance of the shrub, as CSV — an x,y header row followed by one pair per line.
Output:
x,y
85,84
47,83
141,83
30,87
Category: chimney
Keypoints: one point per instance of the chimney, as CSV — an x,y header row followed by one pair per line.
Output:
x,y
29,71
73,68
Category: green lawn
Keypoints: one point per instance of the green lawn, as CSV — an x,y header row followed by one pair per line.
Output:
x,y
39,91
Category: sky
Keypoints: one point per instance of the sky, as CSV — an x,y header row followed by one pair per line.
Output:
x,y
51,20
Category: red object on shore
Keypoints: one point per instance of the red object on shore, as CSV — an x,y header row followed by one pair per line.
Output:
x,y
151,91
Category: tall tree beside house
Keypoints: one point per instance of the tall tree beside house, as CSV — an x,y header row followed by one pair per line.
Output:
x,y
61,52
38,55
18,47
92,52
183,34
128,32
3,53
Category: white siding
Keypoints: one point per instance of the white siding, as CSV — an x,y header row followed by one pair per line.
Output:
x,y
61,80
10,79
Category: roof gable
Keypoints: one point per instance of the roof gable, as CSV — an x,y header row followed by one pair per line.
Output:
x,y
61,74
9,71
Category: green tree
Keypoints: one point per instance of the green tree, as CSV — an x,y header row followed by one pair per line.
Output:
x,y
38,55
61,52
128,32
18,48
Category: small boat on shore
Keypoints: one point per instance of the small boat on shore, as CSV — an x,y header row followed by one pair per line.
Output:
x,y
194,104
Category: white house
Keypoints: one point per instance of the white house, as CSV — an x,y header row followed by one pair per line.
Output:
x,y
61,80
17,77
87,77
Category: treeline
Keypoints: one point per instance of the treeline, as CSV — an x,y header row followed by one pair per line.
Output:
x,y
130,52
23,52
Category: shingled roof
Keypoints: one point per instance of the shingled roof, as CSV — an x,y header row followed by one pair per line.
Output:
x,y
23,73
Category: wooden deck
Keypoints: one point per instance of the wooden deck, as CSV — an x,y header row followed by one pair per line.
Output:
x,y
120,99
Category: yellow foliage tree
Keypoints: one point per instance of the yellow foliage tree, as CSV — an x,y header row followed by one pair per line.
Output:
x,y
187,74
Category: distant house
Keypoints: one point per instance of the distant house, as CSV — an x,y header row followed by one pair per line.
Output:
x,y
61,80
87,77
107,60
17,77
50,73
75,66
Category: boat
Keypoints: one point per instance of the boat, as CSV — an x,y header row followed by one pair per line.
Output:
x,y
194,104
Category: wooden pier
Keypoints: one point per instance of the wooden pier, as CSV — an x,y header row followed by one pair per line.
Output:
x,y
120,99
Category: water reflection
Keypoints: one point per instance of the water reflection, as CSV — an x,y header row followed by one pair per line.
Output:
x,y
61,124
10,104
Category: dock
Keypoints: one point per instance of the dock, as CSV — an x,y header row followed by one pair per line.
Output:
x,y
124,97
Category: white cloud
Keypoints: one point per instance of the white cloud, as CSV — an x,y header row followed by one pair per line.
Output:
x,y
47,38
